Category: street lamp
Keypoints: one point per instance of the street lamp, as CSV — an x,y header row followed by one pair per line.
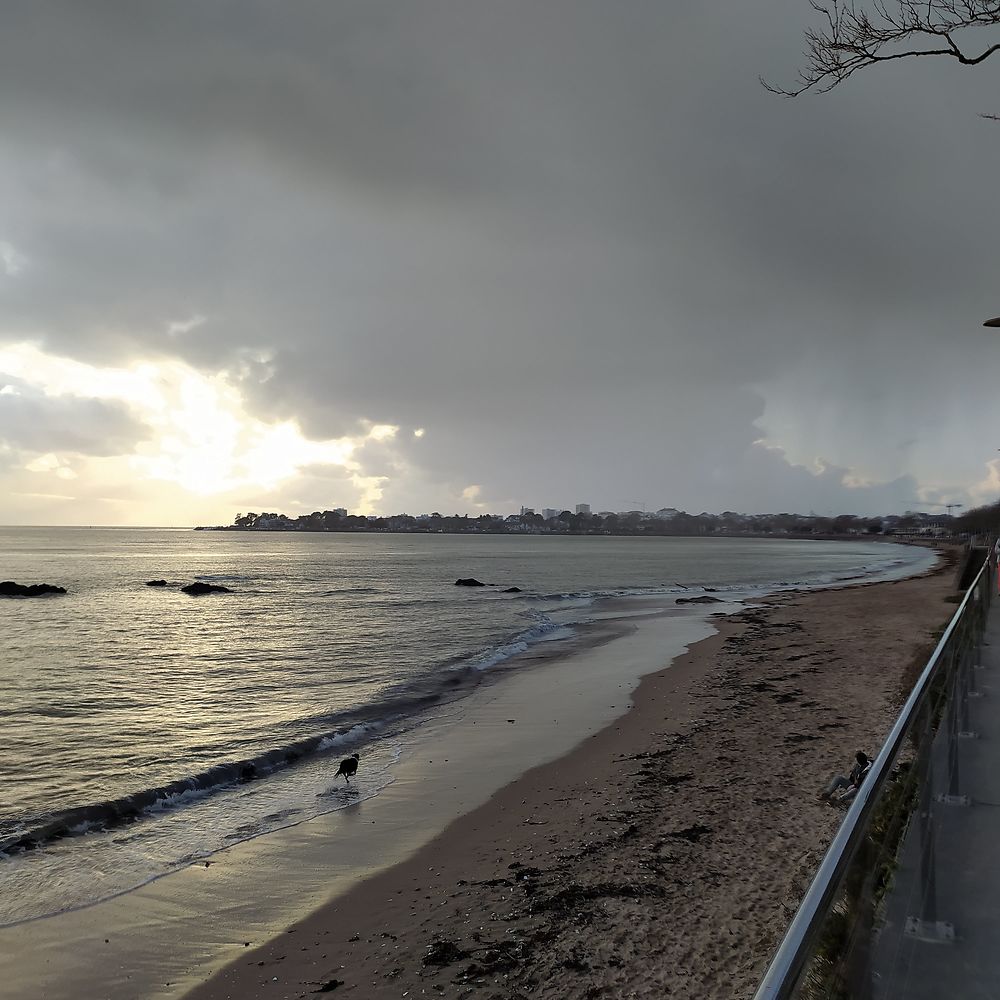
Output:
x,y
993,322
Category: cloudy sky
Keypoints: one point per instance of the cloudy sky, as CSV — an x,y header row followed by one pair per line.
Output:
x,y
466,256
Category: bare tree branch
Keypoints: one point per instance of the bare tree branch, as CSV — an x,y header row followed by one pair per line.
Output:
x,y
852,39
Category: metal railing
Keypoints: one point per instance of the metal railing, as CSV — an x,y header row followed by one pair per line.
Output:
x,y
827,949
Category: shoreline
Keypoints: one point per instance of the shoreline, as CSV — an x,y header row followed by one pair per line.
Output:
x,y
655,831
609,621
163,937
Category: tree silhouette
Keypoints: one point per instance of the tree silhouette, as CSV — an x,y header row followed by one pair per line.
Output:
x,y
854,38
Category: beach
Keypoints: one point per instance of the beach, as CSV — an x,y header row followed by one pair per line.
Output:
x,y
664,855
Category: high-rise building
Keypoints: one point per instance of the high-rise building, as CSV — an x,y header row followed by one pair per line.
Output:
x,y
550,512
527,510
583,508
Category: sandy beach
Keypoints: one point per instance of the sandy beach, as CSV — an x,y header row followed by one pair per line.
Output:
x,y
663,856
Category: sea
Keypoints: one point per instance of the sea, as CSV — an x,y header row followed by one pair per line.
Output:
x,y
142,729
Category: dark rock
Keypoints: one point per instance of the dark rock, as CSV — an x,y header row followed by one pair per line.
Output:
x,y
443,952
704,599
512,590
330,986
469,581
156,583
195,589
10,589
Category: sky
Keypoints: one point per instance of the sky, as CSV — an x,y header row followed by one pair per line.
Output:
x,y
467,256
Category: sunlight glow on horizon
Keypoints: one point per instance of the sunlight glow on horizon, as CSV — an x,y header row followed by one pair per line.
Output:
x,y
201,436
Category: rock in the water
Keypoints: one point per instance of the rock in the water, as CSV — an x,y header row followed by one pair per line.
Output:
x,y
195,589
10,589
704,599
156,583
469,581
512,590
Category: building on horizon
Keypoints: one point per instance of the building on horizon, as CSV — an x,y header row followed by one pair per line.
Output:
x,y
583,508
550,512
527,510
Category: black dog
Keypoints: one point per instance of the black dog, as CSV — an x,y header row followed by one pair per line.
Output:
x,y
348,766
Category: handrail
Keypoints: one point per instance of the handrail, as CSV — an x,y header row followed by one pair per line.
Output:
x,y
789,960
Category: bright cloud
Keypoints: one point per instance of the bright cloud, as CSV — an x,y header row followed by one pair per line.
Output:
x,y
988,488
202,437
51,463
12,262
178,327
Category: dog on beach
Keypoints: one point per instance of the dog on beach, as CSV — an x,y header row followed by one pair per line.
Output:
x,y
348,766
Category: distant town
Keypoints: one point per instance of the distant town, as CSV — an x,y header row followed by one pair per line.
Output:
x,y
581,521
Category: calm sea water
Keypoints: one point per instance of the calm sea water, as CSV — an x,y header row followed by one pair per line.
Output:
x,y
141,728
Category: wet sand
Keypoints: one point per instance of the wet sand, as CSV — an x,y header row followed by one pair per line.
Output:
x,y
663,856
163,938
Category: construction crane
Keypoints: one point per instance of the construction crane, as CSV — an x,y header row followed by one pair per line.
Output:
x,y
949,507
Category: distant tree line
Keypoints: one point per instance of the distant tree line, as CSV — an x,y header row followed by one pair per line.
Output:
x,y
665,522
980,520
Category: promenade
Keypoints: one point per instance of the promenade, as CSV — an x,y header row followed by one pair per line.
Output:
x,y
941,930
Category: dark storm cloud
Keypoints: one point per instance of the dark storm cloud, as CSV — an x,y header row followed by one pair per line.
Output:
x,y
33,422
580,245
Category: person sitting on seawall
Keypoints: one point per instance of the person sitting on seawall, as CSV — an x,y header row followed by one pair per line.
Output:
x,y
843,789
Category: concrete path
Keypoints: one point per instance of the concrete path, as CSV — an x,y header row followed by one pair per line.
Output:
x,y
941,936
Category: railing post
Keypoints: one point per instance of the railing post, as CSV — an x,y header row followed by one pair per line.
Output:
x,y
968,682
928,867
858,977
951,734
927,926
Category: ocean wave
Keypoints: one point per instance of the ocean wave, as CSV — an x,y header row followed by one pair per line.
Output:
x,y
335,731
819,579
520,643
39,831
397,707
